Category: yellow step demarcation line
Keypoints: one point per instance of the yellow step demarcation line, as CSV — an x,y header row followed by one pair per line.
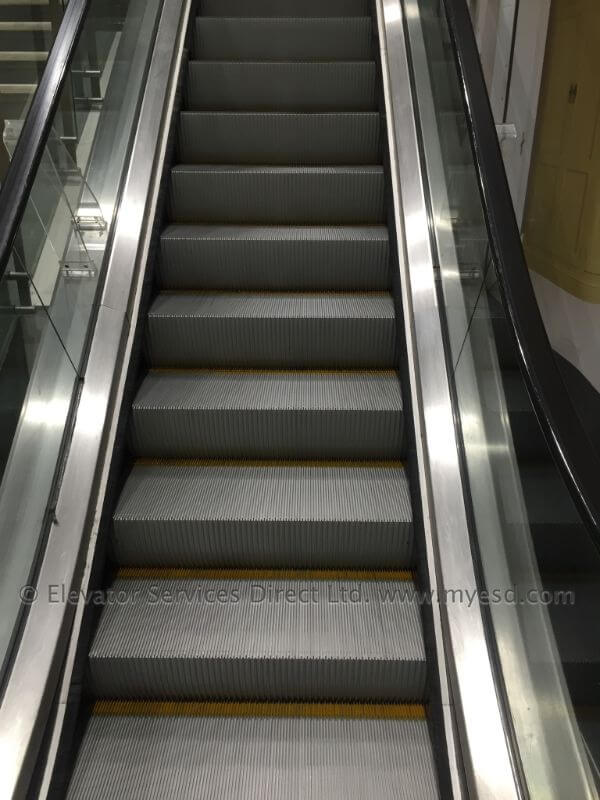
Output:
x,y
23,55
281,292
383,373
253,462
149,708
166,573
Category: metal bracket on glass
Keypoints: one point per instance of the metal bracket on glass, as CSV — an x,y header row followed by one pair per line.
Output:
x,y
17,310
73,270
506,131
68,193
88,72
89,103
89,218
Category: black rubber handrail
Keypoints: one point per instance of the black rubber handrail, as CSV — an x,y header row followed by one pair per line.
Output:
x,y
36,128
569,443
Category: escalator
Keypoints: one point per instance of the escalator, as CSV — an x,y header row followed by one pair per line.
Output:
x,y
303,465
261,637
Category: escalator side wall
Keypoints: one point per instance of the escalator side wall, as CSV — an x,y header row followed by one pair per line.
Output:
x,y
434,705
103,569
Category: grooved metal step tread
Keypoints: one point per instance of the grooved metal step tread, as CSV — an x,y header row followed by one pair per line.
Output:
x,y
304,195
272,330
266,38
574,616
26,12
276,257
264,515
254,414
189,757
29,39
260,639
561,541
278,138
285,8
281,86
526,432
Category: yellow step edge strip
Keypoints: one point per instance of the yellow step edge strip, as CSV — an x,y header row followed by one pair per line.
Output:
x,y
388,373
118,708
165,573
23,55
281,292
237,462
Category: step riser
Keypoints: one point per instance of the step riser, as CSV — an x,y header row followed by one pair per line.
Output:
x,y
21,71
24,41
528,439
266,434
285,8
248,679
270,197
247,86
266,545
325,261
279,138
286,40
24,13
271,343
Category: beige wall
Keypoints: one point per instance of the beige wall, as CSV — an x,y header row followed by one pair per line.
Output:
x,y
572,321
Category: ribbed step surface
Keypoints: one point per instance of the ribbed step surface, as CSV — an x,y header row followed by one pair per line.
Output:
x,y
24,12
562,543
248,39
274,138
278,257
272,330
281,86
258,533
260,638
526,433
191,757
285,8
251,414
331,195
13,37
22,68
574,614
265,515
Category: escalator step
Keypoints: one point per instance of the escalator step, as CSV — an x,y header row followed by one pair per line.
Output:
x,y
261,329
25,36
260,636
281,86
572,602
561,541
285,8
253,414
323,195
142,756
526,433
278,138
279,258
272,515
22,68
20,11
264,39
